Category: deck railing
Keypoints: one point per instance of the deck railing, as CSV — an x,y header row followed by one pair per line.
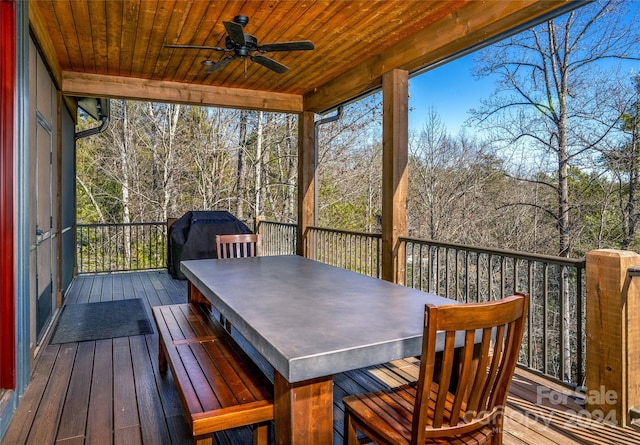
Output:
x,y
136,246
277,238
554,343
121,247
355,251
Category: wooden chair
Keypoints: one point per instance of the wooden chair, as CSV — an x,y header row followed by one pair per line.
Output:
x,y
238,245
459,396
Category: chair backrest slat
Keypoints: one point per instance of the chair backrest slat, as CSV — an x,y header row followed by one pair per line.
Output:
x,y
480,377
466,370
492,375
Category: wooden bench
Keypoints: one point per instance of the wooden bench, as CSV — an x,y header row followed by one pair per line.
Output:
x,y
219,385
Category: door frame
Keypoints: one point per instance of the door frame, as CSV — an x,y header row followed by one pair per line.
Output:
x,y
7,194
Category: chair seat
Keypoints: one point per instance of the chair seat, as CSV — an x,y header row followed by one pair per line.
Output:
x,y
391,410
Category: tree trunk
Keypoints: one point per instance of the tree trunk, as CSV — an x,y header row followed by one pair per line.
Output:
x,y
258,170
168,203
240,180
88,192
125,147
630,214
560,74
290,201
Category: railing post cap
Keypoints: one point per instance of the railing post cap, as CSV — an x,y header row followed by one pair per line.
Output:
x,y
612,252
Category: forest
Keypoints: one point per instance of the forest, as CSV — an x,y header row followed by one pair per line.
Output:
x,y
546,164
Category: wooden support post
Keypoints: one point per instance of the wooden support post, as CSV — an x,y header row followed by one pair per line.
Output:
x,y
395,178
613,335
306,178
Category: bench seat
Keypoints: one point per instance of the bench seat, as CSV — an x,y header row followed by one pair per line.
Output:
x,y
219,385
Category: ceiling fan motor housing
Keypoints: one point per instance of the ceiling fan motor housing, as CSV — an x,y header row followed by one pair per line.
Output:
x,y
250,44
241,20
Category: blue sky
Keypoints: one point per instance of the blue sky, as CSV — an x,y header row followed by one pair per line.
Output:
x,y
451,89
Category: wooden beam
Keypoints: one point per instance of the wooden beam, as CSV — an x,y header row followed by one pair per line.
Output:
x,y
474,24
395,176
95,85
306,178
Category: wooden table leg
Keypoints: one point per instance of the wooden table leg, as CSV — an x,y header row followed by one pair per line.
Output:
x,y
195,296
303,411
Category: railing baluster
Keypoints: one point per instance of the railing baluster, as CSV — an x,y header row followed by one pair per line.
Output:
x,y
98,245
530,318
562,304
545,317
580,378
467,277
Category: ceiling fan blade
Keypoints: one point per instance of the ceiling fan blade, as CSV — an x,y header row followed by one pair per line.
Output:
x,y
302,45
235,32
270,63
214,48
220,64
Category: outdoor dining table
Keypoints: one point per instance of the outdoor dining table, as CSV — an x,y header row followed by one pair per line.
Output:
x,y
310,320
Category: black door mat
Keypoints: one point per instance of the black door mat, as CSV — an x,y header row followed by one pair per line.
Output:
x,y
97,321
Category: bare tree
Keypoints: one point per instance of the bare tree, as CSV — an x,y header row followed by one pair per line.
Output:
x,y
288,173
349,165
208,149
552,98
454,188
623,161
165,120
434,189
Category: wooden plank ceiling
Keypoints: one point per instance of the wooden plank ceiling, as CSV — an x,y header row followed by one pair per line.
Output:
x,y
116,48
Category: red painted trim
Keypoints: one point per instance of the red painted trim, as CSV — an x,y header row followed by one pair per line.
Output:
x,y
7,193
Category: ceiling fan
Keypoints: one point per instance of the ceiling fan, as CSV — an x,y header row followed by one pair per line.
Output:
x,y
244,45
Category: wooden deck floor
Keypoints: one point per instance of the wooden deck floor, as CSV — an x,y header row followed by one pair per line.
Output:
x,y
110,391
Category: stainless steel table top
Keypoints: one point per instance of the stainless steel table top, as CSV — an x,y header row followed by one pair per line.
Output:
x,y
310,319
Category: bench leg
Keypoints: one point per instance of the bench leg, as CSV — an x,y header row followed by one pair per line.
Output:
x,y
195,296
162,358
261,434
203,440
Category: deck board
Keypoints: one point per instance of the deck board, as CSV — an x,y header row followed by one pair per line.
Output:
x,y
96,293
117,290
76,404
153,426
111,392
100,414
124,391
